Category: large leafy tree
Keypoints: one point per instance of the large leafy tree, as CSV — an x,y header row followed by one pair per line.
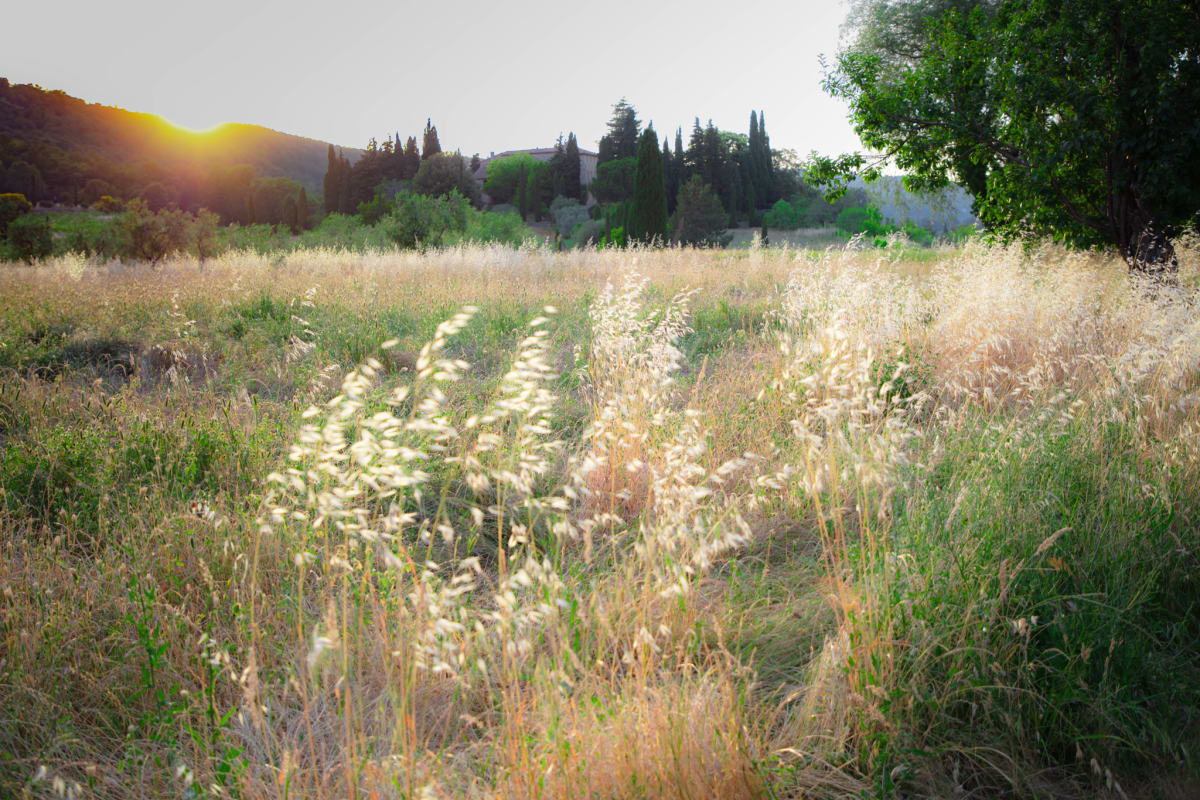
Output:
x,y
1068,118
649,220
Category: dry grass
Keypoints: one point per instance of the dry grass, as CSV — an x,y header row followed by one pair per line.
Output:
x,y
674,523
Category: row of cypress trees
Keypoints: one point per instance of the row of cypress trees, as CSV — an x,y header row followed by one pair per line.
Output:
x,y
738,169
348,185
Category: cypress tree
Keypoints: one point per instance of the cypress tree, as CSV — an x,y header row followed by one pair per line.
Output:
x,y
768,166
431,146
345,193
649,218
680,167
412,159
523,194
291,214
302,210
572,184
669,175
330,184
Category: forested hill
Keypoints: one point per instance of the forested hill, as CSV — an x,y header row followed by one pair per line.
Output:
x,y
70,143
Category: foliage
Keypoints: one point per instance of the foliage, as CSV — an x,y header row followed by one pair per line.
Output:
x,y
699,218
30,237
648,221
442,174
615,180
150,236
621,141
568,213
867,220
423,221
1062,120
12,205
506,175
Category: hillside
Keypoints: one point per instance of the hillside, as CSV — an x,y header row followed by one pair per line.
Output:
x,y
71,141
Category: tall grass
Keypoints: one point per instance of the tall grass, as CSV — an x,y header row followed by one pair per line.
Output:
x,y
676,523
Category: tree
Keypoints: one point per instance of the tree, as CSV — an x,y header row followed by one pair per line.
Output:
x,y
475,163
621,141
506,175
30,237
412,159
565,167
26,179
572,183
302,210
614,181
444,173
431,146
699,218
649,222
291,214
155,196
1062,118
12,205
330,183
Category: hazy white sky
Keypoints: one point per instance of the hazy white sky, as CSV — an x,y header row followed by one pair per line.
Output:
x,y
492,75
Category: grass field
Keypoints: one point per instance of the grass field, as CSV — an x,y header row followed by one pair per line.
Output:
x,y
616,524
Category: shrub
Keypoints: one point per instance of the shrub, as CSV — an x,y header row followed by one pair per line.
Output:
x,y
108,205
587,232
868,220
568,214
420,221
12,205
30,237
782,216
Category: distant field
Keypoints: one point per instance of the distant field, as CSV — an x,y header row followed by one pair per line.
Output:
x,y
493,522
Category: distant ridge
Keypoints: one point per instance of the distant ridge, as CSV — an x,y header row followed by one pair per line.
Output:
x,y
71,141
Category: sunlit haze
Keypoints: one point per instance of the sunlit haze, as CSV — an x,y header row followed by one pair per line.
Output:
x,y
492,76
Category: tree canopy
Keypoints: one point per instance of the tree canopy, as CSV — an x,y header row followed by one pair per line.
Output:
x,y
1069,119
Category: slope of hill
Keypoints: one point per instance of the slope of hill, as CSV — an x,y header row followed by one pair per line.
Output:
x,y
71,141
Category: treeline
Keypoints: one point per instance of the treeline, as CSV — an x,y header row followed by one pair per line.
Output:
x,y
739,169
55,148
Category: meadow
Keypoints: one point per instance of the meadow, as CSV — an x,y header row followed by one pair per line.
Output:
x,y
675,523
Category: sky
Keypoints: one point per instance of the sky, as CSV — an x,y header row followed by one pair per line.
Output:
x,y
492,75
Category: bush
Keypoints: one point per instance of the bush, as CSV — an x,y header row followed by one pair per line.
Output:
x,y
12,205
30,237
568,214
488,227
587,232
868,220
420,221
108,205
782,216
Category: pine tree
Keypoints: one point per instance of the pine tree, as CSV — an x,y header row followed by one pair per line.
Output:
x,y
621,141
649,219
431,146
